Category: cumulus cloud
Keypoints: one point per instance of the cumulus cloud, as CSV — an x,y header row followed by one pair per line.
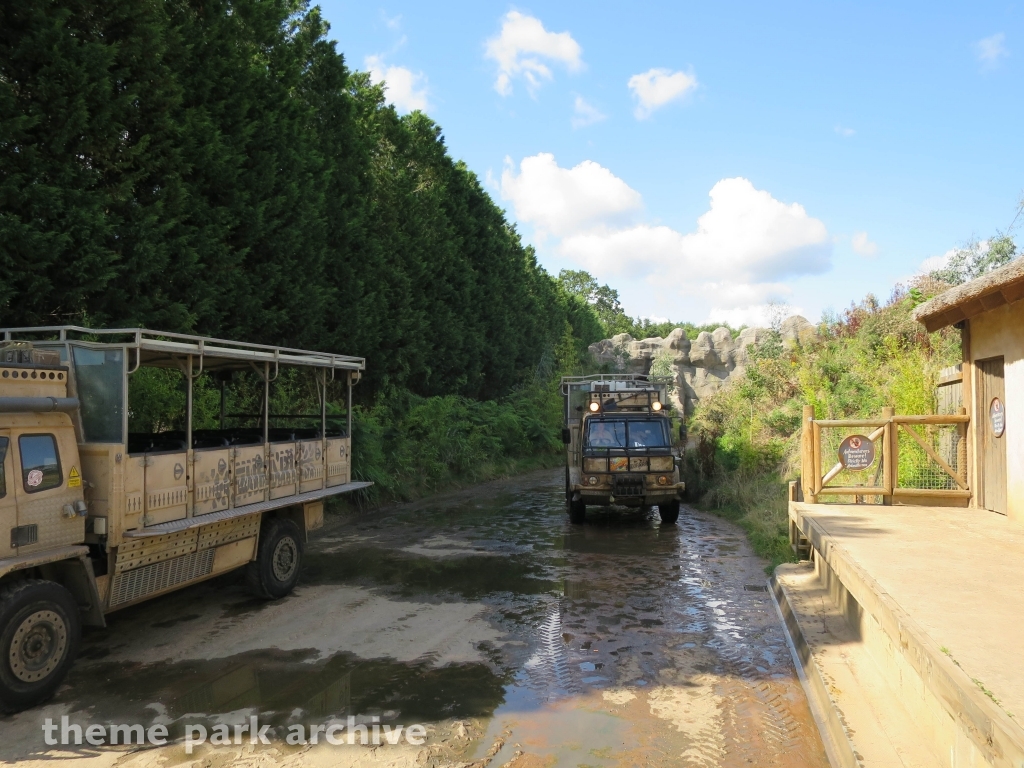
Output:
x,y
561,201
585,114
406,89
657,87
862,245
746,233
520,48
990,50
737,259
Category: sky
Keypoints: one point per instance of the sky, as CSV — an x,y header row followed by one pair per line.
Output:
x,y
709,160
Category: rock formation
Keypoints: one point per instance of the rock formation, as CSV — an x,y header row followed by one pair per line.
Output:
x,y
700,367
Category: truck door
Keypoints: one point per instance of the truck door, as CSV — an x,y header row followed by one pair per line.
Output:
x,y
8,505
41,478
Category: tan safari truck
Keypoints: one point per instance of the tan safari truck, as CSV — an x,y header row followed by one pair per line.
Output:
x,y
94,518
618,437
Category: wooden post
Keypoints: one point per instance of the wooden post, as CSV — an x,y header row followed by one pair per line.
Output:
x,y
967,432
888,481
891,448
807,479
816,457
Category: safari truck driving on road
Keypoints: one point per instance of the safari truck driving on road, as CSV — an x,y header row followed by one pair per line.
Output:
x,y
94,518
618,435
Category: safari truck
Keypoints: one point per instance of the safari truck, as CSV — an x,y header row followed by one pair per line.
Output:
x,y
619,445
100,518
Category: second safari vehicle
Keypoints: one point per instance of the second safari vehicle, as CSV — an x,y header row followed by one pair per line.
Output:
x,y
619,446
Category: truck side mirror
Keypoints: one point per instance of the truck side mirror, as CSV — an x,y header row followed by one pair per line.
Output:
x,y
566,435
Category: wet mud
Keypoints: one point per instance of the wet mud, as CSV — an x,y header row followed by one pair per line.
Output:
x,y
516,638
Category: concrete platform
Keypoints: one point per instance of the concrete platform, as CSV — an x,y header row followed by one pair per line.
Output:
x,y
908,623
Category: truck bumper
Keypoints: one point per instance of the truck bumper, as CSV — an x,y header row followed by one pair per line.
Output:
x,y
651,497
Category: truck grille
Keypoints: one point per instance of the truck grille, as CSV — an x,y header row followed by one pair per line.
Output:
x,y
132,585
628,485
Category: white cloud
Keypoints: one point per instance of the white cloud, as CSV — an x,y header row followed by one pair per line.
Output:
x,y
406,89
746,234
862,245
520,46
585,114
737,260
991,49
756,315
391,22
561,201
657,87
845,132
933,263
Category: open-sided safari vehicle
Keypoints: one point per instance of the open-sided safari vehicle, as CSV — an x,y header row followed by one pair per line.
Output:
x,y
100,518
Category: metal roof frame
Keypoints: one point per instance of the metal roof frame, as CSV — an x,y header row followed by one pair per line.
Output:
x,y
165,349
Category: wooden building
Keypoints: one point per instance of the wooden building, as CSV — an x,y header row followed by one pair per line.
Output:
x,y
990,314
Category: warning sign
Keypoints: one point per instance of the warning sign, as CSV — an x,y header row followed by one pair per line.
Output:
x,y
857,452
74,479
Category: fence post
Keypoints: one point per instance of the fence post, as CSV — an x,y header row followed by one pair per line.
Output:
x,y
807,480
961,449
891,451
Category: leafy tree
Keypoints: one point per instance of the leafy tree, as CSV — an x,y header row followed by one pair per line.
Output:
x,y
976,259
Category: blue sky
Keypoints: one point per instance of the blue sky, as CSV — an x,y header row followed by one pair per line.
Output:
x,y
706,159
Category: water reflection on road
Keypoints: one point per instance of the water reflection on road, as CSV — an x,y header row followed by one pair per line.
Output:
x,y
517,637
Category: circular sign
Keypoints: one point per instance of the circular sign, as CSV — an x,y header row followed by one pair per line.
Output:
x,y
35,477
997,415
857,452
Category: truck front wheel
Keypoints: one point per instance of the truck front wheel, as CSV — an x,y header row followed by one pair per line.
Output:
x,y
40,630
669,511
577,512
276,568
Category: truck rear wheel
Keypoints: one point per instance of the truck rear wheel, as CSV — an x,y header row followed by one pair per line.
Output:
x,y
275,570
40,630
669,511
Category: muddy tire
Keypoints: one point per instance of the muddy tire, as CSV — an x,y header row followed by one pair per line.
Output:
x,y
577,512
275,570
40,631
669,512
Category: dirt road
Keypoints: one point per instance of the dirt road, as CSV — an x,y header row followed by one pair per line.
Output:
x,y
513,637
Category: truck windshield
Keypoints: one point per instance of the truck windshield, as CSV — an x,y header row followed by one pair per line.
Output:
x,y
647,433
99,377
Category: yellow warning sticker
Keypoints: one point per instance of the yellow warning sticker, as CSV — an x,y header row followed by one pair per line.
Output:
x,y
74,479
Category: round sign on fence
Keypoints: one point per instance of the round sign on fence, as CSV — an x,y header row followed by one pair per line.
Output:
x,y
997,415
857,452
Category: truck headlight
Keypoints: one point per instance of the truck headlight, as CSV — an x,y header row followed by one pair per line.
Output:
x,y
661,463
655,406
592,480
663,480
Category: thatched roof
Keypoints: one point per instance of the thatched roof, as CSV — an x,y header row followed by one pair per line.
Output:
x,y
1000,286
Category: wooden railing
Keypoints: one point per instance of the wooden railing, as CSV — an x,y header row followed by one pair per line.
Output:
x,y
885,458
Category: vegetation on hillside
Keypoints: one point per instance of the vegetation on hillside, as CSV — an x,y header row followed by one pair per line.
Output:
x,y
604,300
870,356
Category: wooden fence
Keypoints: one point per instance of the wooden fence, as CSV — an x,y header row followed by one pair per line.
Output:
x,y
913,457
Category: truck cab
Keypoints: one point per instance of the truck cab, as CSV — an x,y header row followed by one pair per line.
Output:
x,y
95,517
619,445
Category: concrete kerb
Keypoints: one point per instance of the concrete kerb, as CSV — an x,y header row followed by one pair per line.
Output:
x,y
959,720
826,713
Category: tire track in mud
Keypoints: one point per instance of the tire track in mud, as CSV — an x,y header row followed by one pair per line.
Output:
x,y
548,669
758,726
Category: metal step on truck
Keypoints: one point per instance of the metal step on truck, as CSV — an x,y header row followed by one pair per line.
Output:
x,y
94,518
618,438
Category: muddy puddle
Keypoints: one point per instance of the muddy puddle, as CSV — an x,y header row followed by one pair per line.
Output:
x,y
513,637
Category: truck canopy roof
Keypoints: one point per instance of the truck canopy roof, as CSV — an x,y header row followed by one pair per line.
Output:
x,y
162,349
